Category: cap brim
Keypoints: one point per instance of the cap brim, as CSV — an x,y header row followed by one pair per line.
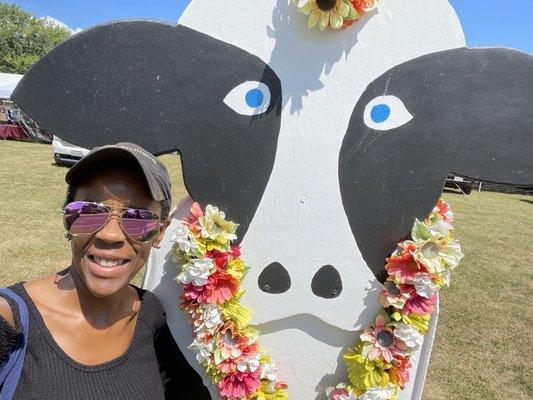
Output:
x,y
103,155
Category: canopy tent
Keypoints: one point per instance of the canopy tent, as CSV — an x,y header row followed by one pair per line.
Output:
x,y
7,84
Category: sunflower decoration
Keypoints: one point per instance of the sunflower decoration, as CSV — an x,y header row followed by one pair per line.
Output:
x,y
334,13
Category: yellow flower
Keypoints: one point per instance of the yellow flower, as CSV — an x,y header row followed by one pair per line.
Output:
x,y
364,373
232,310
420,322
326,13
213,226
236,268
268,391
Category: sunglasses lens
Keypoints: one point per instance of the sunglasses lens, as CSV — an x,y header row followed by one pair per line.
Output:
x,y
140,225
84,218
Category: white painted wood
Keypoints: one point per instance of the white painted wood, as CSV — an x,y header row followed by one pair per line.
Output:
x,y
300,221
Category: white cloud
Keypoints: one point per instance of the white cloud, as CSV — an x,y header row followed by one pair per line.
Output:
x,y
51,21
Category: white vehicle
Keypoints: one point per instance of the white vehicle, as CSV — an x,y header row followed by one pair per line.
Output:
x,y
67,153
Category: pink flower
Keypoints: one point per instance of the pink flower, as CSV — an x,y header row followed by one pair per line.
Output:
x,y
399,373
382,340
393,295
220,287
403,266
443,209
196,214
417,304
239,385
222,258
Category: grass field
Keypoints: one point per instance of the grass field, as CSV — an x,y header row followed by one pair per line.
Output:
x,y
483,340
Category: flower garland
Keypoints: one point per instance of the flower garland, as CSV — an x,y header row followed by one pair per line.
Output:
x,y
334,13
379,363
224,342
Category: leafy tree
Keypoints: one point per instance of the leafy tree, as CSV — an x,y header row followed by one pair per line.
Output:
x,y
24,38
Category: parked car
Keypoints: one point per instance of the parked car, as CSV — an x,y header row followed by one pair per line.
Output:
x,y
458,182
66,153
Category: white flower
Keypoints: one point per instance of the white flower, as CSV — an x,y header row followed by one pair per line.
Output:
x,y
212,316
196,271
269,371
409,335
181,238
424,285
203,350
440,228
377,393
250,364
215,227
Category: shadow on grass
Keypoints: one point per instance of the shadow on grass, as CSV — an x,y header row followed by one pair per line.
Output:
x,y
527,201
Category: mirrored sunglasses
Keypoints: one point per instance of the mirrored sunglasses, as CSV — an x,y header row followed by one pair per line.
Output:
x,y
85,218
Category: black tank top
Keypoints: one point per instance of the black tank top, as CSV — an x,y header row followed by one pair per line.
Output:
x,y
152,368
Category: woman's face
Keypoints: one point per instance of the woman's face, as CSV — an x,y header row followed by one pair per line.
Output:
x,y
107,260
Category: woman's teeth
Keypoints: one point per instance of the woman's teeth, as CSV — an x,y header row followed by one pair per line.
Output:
x,y
108,263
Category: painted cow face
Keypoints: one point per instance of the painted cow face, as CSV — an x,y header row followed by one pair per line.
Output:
x,y
323,146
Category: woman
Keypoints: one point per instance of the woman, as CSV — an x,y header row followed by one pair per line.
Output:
x,y
92,335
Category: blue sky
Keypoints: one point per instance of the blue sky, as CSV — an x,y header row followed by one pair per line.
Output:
x,y
485,22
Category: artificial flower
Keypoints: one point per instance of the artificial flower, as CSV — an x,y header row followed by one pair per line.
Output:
x,y
220,287
409,335
213,226
234,311
203,350
377,393
402,266
417,304
269,371
380,341
340,392
438,254
399,373
271,391
424,286
196,271
239,385
392,295
364,373
420,322
326,13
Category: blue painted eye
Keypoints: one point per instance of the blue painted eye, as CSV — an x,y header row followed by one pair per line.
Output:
x,y
249,98
380,113
386,112
254,98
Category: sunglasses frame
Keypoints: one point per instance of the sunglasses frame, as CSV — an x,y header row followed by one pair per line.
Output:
x,y
110,213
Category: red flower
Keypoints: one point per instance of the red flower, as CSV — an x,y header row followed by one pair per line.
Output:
x,y
403,266
221,258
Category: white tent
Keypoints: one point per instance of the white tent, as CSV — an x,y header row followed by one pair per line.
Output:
x,y
7,84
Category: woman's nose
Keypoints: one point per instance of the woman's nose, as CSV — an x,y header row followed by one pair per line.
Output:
x,y
111,231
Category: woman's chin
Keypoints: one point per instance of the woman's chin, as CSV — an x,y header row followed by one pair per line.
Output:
x,y
104,281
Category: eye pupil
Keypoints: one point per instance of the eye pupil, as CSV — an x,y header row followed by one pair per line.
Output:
x,y
254,98
380,113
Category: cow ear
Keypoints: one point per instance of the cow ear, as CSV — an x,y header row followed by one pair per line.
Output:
x,y
105,85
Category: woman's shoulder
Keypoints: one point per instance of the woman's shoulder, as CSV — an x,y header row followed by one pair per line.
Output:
x,y
6,313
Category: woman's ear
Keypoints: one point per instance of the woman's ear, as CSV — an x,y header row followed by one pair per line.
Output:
x,y
161,233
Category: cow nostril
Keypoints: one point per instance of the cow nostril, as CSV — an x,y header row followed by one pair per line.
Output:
x,y
274,279
327,282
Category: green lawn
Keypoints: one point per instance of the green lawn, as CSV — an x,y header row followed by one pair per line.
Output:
x,y
483,340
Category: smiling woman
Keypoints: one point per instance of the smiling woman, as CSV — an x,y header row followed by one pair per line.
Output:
x,y
109,339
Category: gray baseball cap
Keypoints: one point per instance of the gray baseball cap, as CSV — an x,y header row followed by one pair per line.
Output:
x,y
154,171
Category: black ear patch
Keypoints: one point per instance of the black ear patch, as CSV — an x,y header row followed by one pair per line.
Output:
x,y
163,87
463,110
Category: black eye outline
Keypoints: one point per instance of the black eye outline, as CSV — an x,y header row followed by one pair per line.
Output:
x,y
239,101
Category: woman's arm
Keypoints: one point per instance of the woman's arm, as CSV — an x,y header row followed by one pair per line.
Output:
x,y
179,379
